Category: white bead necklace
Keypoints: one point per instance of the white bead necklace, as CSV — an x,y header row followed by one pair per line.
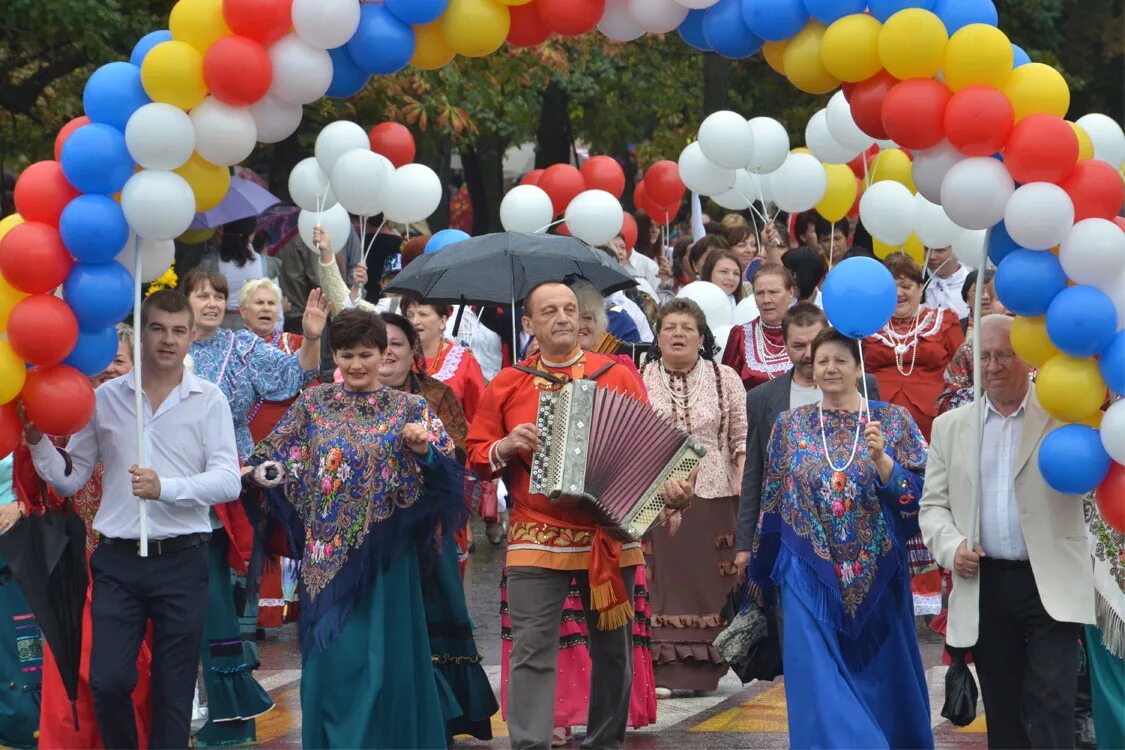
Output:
x,y
772,362
693,381
824,438
900,343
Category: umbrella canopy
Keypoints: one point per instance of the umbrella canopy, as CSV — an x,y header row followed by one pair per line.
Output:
x,y
501,268
243,200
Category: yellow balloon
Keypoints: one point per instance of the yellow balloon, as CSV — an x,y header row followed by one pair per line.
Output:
x,y
802,63
913,247
1070,388
800,150
197,236
208,181
1085,145
13,373
8,223
9,297
1035,88
912,44
431,51
978,54
840,196
475,28
1030,341
198,22
172,72
893,164
1094,421
774,52
850,48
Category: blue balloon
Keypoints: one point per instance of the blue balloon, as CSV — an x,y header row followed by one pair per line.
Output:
x,y
691,30
859,296
382,44
93,228
1082,320
774,20
828,11
113,93
94,351
1000,243
1112,363
347,77
417,12
726,32
444,238
96,160
100,294
1072,459
1020,57
958,13
884,9
146,43
1027,281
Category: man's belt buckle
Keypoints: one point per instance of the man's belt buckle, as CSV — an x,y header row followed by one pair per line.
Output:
x,y
155,547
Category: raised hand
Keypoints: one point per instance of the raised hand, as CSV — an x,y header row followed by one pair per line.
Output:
x,y
316,315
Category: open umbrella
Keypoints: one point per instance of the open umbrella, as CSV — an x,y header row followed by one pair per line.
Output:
x,y
243,200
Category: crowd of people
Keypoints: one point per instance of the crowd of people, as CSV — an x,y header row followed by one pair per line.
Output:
x,y
333,484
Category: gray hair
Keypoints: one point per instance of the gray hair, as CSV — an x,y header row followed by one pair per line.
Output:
x,y
996,320
250,288
590,300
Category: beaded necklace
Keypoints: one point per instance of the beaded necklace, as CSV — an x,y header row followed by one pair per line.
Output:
x,y
927,322
762,354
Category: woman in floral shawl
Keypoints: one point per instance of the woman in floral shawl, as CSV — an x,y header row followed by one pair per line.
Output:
x,y
839,503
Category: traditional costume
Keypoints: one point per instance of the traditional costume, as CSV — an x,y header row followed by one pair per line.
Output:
x,y
456,366
756,352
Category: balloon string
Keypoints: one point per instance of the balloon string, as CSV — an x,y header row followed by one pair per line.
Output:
x,y
831,255
863,381
540,230
753,210
321,200
366,246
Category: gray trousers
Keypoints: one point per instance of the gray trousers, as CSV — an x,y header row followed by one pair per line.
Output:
x,y
535,605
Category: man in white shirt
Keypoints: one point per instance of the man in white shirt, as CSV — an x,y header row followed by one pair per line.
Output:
x,y
640,267
1021,591
193,464
944,279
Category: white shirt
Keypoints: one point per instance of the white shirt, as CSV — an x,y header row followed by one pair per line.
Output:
x,y
189,442
635,314
1000,533
642,268
478,338
802,395
947,292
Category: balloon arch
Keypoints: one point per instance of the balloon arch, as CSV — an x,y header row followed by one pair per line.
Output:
x,y
979,127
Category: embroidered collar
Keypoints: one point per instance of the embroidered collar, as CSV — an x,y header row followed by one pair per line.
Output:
x,y
571,362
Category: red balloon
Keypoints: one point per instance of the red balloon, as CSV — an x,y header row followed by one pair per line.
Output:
x,y
978,120
629,230
264,21
1041,148
663,185
1096,190
847,88
42,192
33,258
532,177
562,229
913,112
66,130
42,329
11,429
570,17
861,165
660,214
237,70
1110,497
393,141
59,400
604,173
639,194
562,182
866,102
528,28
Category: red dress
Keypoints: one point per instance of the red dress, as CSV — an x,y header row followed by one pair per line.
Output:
x,y
756,351
456,366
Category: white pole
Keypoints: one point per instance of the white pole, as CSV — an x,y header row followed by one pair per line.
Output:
x,y
139,393
978,399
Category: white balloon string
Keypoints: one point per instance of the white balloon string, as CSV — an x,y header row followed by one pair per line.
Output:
x,y
978,401
863,380
366,246
540,230
755,211
831,255
138,389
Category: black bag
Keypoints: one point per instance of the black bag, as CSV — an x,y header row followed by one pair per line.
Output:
x,y
960,690
762,657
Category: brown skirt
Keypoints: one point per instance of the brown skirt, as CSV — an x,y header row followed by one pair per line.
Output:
x,y
690,561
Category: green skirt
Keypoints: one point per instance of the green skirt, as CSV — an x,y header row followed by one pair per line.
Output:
x,y
21,665
1107,682
374,686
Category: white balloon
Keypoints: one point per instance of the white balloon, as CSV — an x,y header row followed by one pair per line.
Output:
x,y
301,73
838,118
887,211
712,300
727,140
1107,136
975,192
336,139
823,145
156,257
224,134
746,311
701,175
930,168
158,205
1039,215
618,23
413,193
359,180
1094,253
657,16
275,118
932,226
886,143
771,145
1113,431
722,335
526,208
160,136
335,221
309,186
799,183
969,247
325,24
746,190
594,216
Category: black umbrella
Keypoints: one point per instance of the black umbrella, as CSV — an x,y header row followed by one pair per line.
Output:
x,y
47,555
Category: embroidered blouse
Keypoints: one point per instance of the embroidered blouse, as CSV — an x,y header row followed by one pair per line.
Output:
x,y
958,380
264,414
756,352
456,366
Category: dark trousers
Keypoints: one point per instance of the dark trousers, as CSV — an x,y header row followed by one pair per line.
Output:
x,y
171,591
1026,660
535,606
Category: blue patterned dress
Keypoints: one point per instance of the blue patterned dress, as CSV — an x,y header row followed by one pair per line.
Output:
x,y
834,543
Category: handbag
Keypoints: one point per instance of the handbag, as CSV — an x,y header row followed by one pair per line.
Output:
x,y
960,690
751,642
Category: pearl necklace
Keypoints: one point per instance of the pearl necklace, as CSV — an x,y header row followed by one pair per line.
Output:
x,y
680,401
900,343
773,359
824,438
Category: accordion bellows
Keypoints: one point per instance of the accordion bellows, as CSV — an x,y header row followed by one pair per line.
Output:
x,y
609,452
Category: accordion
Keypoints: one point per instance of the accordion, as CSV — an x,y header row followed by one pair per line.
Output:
x,y
610,453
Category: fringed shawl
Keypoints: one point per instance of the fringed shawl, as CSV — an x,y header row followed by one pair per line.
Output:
x,y
1107,547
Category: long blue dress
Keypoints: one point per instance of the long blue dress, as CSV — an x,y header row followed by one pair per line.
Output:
x,y
834,543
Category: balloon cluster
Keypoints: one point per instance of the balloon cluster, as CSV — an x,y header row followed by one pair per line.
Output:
x,y
588,199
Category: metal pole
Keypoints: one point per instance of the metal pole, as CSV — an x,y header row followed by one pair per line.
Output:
x,y
138,389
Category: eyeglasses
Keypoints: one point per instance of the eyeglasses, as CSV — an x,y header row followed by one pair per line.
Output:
x,y
1001,358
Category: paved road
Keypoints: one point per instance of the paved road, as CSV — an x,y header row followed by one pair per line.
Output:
x,y
736,716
